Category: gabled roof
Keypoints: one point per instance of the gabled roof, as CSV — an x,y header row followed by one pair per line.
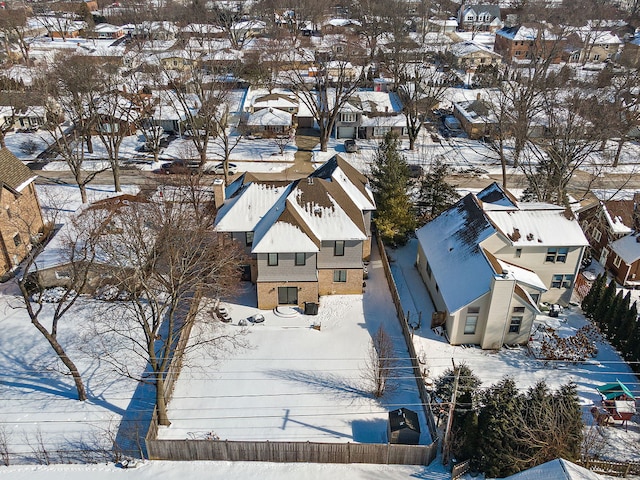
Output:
x,y
620,215
493,10
14,174
558,469
354,183
451,243
627,248
270,117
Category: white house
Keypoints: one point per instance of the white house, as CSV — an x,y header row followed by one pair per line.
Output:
x,y
489,260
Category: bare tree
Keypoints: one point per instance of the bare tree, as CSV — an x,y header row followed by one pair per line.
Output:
x,y
72,83
13,25
326,94
5,453
115,114
421,93
78,254
381,363
165,254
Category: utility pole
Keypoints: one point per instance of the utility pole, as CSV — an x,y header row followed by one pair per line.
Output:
x,y
446,442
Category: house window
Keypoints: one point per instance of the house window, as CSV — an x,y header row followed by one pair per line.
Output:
x,y
248,238
597,235
17,241
348,117
516,322
381,131
62,275
561,281
518,309
557,255
471,320
518,53
428,269
272,259
518,252
340,276
301,259
338,248
617,261
596,57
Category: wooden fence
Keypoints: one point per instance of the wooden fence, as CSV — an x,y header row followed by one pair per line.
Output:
x,y
309,452
377,453
614,469
425,396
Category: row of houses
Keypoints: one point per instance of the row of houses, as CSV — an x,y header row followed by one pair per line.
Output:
x,y
488,262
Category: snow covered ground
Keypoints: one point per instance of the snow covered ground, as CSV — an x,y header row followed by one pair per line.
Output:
x,y
491,366
296,383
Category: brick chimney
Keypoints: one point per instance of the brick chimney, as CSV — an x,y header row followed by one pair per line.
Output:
x,y
218,192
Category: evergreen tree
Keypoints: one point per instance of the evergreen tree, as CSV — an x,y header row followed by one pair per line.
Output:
x,y
395,216
617,316
436,195
593,297
627,330
498,422
604,304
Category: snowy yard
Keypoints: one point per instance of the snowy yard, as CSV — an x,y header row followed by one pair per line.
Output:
x,y
296,383
517,363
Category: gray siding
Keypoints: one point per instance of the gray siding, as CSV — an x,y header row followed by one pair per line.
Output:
x,y
287,270
352,257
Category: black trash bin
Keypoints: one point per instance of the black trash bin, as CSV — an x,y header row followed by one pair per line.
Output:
x,y
310,308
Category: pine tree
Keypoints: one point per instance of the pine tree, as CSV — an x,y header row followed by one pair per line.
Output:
x,y
436,195
593,297
601,312
498,420
631,331
617,316
395,217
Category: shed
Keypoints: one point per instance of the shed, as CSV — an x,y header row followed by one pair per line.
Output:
x,y
404,427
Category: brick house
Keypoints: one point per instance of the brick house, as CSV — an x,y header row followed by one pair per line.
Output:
x,y
613,230
306,238
20,217
520,43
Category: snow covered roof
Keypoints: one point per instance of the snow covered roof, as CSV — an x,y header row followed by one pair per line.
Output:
x,y
297,216
242,212
522,275
451,243
274,100
464,49
384,121
598,37
270,117
619,215
518,33
558,469
627,248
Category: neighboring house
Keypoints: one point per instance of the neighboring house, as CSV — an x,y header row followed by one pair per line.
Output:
x,y
281,100
489,260
176,59
436,25
613,230
470,55
479,18
306,238
519,44
559,469
270,120
476,118
592,46
105,31
21,221
370,114
630,55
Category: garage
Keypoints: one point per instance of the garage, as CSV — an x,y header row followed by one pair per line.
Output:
x,y
346,132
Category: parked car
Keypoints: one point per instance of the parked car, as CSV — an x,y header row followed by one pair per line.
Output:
x,y
219,169
350,146
181,166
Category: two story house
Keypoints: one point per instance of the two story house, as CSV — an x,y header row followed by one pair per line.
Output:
x,y
20,216
306,238
519,44
489,260
370,114
483,18
613,230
